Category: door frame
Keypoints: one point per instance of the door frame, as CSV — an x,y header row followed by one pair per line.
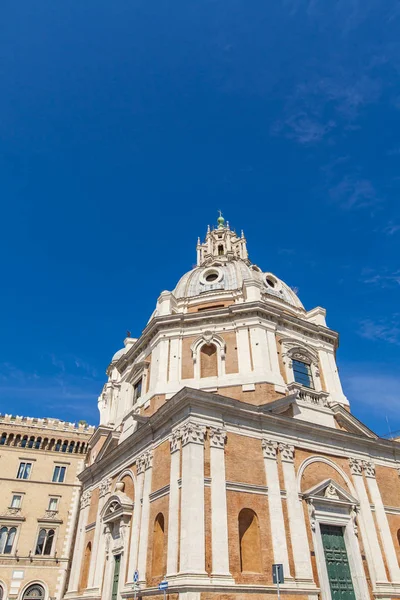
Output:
x,y
341,517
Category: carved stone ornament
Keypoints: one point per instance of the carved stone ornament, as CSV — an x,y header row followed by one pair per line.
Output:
x,y
174,440
311,512
217,437
287,452
331,492
192,433
105,486
354,514
144,461
270,449
369,468
85,499
356,466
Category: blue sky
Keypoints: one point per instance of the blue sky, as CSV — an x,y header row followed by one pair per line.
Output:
x,y
125,125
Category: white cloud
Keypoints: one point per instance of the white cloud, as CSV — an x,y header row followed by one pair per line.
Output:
x,y
387,330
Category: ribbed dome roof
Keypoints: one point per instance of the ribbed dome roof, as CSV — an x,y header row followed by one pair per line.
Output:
x,y
230,276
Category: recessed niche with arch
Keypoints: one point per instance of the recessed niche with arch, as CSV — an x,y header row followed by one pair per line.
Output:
x,y
157,565
249,541
86,566
208,360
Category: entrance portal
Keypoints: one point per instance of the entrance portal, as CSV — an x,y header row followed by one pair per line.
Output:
x,y
337,563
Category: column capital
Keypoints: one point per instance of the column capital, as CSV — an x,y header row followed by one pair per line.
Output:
x,y
287,452
174,440
270,448
85,498
217,437
105,486
192,433
369,468
356,466
144,461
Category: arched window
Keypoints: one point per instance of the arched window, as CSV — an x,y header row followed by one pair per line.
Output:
x,y
249,539
31,442
37,443
220,250
34,591
45,542
157,566
71,447
64,446
7,537
85,566
3,439
24,441
58,446
208,361
1,592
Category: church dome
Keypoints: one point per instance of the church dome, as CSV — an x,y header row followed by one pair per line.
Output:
x,y
229,276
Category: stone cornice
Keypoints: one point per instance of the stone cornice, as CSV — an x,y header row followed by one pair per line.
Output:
x,y
200,405
241,310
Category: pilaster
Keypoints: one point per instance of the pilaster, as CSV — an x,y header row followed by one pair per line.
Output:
x,y
278,530
219,512
173,515
145,462
80,541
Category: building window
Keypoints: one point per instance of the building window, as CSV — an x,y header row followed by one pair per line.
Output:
x,y
7,538
249,539
1,592
34,591
53,504
16,501
302,373
59,474
44,542
24,470
220,250
3,439
137,390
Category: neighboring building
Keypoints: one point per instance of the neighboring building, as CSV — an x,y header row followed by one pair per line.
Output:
x,y
39,464
226,444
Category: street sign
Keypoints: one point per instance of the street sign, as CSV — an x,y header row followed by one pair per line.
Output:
x,y
163,585
277,574
136,577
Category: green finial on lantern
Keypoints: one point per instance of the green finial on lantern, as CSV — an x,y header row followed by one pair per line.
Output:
x,y
221,220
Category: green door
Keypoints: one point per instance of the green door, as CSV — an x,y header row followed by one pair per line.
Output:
x,y
117,565
337,563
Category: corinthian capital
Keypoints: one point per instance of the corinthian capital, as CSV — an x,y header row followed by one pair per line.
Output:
x,y
270,448
217,437
85,499
174,440
144,461
287,452
356,466
369,468
105,486
192,433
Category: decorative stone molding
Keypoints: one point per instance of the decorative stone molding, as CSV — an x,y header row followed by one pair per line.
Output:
x,y
308,395
270,449
192,433
331,492
85,499
174,440
354,514
217,437
207,338
356,466
287,452
311,512
144,461
105,487
369,468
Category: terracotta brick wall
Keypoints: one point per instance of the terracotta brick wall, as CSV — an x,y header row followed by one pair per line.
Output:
x,y
231,358
94,502
244,460
157,506
236,501
263,394
155,403
161,466
208,361
388,482
187,359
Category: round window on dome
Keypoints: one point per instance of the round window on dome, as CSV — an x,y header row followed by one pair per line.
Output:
x,y
211,276
270,281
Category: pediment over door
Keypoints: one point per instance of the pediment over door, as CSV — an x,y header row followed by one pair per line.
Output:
x,y
330,492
